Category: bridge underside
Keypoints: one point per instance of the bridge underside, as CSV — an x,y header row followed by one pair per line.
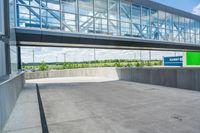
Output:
x,y
44,38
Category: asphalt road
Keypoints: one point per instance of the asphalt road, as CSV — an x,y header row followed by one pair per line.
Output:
x,y
99,105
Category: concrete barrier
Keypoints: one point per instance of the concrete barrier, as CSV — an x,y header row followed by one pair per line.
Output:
x,y
9,92
90,72
185,78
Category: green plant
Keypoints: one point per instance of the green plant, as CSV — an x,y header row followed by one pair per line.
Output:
x,y
43,66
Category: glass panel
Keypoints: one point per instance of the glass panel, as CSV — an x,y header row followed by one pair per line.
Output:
x,y
114,9
192,38
145,32
101,26
35,3
162,25
182,29
175,28
69,6
136,30
197,32
125,11
175,22
86,7
1,18
2,59
145,22
169,27
136,13
197,27
192,31
114,28
100,9
154,25
145,16
51,4
69,22
187,37
187,30
86,24
23,16
125,29
169,35
50,19
169,21
161,21
197,39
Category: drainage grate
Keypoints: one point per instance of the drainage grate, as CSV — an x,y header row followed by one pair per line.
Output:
x,y
42,114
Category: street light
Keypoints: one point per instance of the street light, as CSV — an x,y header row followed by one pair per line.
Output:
x,y
33,59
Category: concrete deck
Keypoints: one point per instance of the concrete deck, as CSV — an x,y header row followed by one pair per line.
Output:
x,y
98,105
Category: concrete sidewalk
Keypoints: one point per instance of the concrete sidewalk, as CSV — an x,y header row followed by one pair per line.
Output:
x,y
99,105
25,117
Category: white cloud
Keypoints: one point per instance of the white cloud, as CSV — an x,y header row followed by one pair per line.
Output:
x,y
196,10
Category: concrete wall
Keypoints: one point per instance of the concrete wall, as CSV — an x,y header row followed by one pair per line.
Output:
x,y
96,72
9,92
185,78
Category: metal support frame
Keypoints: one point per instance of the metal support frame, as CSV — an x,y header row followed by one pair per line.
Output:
x,y
7,36
19,62
150,31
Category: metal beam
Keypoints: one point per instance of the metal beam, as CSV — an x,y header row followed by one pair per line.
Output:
x,y
35,37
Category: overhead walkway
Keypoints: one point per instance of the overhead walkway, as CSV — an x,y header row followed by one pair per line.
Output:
x,y
119,24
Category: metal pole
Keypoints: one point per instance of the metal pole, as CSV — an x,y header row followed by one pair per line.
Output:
x,y
33,59
175,53
94,54
149,57
19,58
64,57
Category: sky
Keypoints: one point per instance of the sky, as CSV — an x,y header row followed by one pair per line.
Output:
x,y
77,54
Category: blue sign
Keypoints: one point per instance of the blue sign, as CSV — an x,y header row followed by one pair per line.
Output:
x,y
173,61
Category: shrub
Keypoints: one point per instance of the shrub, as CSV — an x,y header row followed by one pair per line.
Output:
x,y
43,66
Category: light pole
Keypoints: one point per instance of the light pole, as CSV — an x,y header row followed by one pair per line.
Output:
x,y
56,60
149,57
64,57
33,59
94,54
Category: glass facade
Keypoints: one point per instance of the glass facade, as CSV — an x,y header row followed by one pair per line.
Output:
x,y
2,59
107,17
2,44
1,18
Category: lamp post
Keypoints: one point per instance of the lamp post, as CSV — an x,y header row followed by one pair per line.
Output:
x,y
33,59
94,54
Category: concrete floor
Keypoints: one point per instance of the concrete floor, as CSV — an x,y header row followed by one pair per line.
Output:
x,y
97,105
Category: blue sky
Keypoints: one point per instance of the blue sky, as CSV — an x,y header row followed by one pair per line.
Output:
x,y
76,54
186,5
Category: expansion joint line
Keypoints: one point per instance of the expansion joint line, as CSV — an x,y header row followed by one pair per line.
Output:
x,y
42,113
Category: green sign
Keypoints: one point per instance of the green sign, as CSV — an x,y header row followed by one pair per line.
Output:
x,y
192,58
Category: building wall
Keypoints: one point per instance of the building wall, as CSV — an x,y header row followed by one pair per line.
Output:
x,y
2,44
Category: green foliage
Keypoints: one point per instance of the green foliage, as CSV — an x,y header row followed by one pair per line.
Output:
x,y
89,64
43,66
